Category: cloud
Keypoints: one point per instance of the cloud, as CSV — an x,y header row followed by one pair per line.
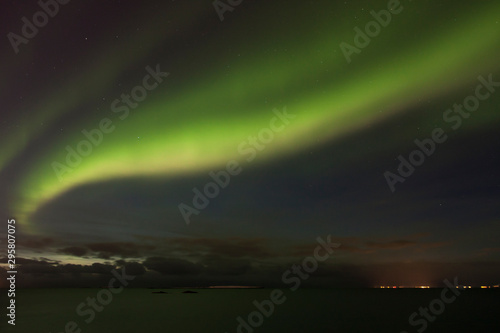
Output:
x,y
118,249
77,251
231,247
218,270
172,266
35,267
133,268
42,273
397,244
355,249
216,266
38,243
360,247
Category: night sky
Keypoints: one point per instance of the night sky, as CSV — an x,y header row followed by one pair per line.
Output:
x,y
314,136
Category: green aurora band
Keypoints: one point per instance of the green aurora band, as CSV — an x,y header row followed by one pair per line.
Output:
x,y
197,126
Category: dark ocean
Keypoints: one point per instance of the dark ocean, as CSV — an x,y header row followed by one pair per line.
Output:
x,y
216,310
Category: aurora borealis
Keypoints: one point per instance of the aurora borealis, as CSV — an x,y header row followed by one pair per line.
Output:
x,y
323,174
